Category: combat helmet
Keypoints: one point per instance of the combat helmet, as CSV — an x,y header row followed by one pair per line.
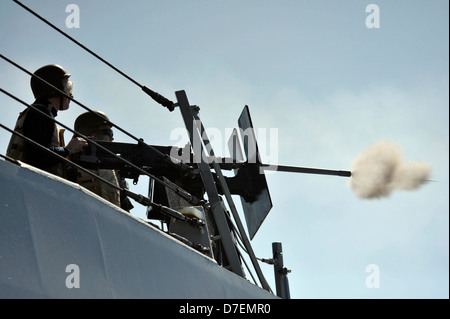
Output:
x,y
54,74
87,123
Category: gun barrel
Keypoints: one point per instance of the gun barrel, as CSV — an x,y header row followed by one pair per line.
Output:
x,y
306,170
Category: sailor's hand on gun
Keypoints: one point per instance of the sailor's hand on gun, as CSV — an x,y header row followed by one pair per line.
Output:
x,y
76,145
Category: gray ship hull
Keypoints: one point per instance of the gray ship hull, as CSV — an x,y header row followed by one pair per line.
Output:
x,y
58,240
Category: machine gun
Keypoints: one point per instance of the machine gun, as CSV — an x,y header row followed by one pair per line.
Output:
x,y
247,182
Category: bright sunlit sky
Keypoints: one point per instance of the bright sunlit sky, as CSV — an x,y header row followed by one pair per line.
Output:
x,y
310,70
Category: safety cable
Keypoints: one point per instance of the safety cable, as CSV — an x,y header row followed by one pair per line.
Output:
x,y
175,162
178,190
145,201
154,95
247,267
139,198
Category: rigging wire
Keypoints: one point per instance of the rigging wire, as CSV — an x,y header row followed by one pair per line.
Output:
x,y
178,190
166,157
154,95
248,267
145,201
138,197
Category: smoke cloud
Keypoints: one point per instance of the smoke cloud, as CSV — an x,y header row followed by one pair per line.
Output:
x,y
380,169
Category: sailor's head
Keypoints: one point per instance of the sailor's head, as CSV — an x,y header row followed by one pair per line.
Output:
x,y
56,76
94,124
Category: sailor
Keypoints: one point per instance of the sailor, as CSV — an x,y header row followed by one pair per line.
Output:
x,y
41,129
96,125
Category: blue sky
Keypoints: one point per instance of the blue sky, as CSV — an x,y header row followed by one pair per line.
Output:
x,y
313,71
